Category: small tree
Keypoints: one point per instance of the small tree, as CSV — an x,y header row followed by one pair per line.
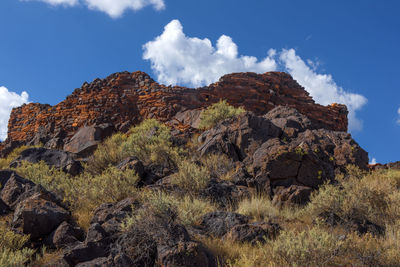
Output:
x,y
218,112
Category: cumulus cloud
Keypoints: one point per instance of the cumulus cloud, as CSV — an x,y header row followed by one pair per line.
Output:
x,y
9,100
114,8
398,113
57,2
177,58
322,87
373,161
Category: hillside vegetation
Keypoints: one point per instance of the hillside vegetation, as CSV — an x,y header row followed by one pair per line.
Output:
x,y
351,220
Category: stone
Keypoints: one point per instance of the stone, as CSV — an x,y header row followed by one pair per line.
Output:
x,y
13,187
292,195
38,217
253,233
183,254
238,137
4,209
218,223
86,139
65,235
133,163
54,158
111,215
311,158
361,226
84,253
98,262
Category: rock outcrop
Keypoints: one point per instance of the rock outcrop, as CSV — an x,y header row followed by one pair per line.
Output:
x,y
283,148
124,99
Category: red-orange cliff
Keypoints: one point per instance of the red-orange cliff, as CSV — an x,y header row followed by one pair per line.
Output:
x,y
124,99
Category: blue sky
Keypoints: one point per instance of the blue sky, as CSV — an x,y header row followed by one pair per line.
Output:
x,y
340,51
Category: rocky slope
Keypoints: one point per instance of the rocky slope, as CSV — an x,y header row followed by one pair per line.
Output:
x,y
282,148
124,99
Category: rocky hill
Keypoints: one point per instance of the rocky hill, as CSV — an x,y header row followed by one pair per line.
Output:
x,y
124,99
278,182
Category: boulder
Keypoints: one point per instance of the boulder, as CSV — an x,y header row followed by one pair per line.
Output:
x,y
290,121
253,233
14,188
224,193
4,209
218,223
86,139
238,137
133,163
65,235
38,216
292,195
83,252
184,254
111,215
311,158
394,165
361,226
54,158
191,117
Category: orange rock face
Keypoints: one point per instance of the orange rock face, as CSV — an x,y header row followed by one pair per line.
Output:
x,y
124,99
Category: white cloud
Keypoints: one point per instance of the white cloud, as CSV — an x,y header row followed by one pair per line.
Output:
x,y
373,161
322,87
58,2
114,8
177,58
9,100
398,113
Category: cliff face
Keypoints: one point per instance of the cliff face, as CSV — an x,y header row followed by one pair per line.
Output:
x,y
124,99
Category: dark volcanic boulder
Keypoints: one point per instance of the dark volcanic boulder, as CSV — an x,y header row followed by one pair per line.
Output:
x,y
290,121
38,216
111,215
253,233
14,188
218,223
65,235
3,208
292,195
351,224
85,141
238,137
309,159
54,158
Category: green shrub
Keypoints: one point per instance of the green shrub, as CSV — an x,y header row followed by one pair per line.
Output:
x,y
12,251
374,197
5,162
50,178
84,192
218,112
191,210
218,165
156,208
315,247
191,177
257,207
260,208
149,141
110,152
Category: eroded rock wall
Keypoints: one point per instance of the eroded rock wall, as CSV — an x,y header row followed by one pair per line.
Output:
x,y
124,99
